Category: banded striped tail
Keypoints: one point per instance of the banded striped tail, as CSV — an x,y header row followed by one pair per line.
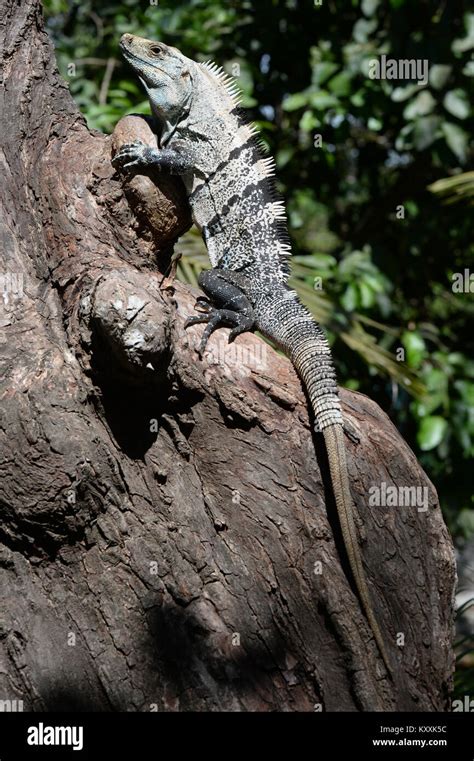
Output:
x,y
287,322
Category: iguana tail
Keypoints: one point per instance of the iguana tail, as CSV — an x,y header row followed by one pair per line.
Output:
x,y
287,322
334,441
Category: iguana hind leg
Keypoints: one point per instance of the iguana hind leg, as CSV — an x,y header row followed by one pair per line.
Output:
x,y
228,307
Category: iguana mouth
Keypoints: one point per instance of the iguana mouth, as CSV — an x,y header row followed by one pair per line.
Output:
x,y
141,64
125,38
123,41
128,53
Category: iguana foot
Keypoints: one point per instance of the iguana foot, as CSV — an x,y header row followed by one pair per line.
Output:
x,y
138,155
217,318
135,155
230,308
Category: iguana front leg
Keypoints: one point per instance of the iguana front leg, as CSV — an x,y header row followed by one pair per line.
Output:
x,y
230,308
138,155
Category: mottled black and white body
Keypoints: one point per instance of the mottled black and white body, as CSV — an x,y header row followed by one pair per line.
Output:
x,y
229,181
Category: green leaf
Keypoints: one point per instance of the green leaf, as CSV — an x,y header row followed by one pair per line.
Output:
x,y
415,347
399,94
457,103
376,282
369,7
439,74
317,261
463,44
284,155
466,390
422,105
341,84
468,70
322,71
431,432
295,101
367,295
349,298
323,99
425,131
363,28
456,138
374,124
358,99
309,122
437,381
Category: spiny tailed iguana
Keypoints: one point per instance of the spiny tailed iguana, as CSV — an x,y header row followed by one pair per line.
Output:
x,y
204,138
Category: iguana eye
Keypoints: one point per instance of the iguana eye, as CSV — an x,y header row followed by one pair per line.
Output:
x,y
155,50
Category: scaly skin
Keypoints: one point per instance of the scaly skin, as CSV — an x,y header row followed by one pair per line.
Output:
x,y
204,139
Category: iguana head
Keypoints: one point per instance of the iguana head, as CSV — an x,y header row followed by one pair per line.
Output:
x,y
166,74
182,92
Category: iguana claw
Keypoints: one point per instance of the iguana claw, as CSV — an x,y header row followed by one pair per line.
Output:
x,y
134,155
217,318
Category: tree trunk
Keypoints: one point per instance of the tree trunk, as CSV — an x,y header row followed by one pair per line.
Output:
x,y
168,535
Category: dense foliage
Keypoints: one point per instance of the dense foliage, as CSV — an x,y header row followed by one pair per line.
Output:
x,y
377,246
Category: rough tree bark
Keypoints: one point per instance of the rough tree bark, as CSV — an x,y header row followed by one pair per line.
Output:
x,y
177,568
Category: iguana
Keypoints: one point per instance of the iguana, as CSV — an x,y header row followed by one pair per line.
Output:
x,y
204,138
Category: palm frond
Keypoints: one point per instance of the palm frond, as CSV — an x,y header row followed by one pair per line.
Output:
x,y
459,188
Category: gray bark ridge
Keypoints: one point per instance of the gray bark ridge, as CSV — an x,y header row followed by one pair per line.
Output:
x,y
168,538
